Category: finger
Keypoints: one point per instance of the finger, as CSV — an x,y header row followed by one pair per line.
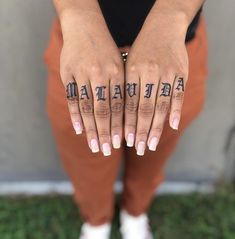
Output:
x,y
132,88
100,89
87,112
117,101
148,93
177,102
161,110
72,99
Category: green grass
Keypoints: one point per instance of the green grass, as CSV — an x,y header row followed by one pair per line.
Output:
x,y
172,217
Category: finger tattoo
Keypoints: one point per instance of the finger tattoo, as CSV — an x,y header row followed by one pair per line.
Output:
x,y
131,89
180,84
117,92
100,93
84,93
148,91
166,89
72,90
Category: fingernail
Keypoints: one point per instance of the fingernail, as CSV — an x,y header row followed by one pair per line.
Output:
x,y
116,142
141,148
94,146
175,123
153,144
106,149
130,140
77,127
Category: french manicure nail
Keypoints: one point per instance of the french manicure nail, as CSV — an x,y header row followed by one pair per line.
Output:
x,y
116,142
106,149
141,148
77,127
175,123
130,140
153,144
94,146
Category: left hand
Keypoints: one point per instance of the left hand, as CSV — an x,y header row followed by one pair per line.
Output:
x,y
156,75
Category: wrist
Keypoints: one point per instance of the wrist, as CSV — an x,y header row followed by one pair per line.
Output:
x,y
73,21
169,19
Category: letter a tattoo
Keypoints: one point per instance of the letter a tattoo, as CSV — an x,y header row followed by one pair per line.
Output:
x,y
100,93
166,89
131,89
84,92
180,85
148,91
117,92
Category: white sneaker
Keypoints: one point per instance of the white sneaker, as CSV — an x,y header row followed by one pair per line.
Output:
x,y
95,232
135,227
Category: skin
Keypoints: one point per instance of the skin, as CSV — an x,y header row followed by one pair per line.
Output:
x,y
158,65
155,73
91,59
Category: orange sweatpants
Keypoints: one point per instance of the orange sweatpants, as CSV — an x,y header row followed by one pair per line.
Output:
x,y
93,175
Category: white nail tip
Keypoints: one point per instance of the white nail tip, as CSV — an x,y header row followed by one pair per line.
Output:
x,y
116,142
94,146
130,140
77,127
153,144
141,148
106,149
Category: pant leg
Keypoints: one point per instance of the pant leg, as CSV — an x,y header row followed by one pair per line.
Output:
x,y
143,174
92,175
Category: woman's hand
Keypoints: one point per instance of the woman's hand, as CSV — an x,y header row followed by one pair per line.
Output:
x,y
156,75
92,74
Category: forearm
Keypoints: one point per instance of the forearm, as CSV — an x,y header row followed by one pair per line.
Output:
x,y
80,15
63,6
178,14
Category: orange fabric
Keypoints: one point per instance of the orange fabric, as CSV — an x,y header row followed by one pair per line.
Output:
x,y
93,175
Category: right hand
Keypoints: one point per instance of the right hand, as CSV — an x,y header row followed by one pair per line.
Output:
x,y
92,72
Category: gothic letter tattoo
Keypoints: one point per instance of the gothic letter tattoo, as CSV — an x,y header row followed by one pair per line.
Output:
x,y
100,93
166,89
84,93
131,89
180,85
117,92
148,91
72,90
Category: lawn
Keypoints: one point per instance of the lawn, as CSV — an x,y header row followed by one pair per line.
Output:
x,y
172,217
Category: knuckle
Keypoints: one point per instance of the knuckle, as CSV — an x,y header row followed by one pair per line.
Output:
x,y
103,133
152,66
142,133
132,68
115,69
169,76
86,107
74,114
157,130
116,128
176,111
117,107
91,131
178,96
163,107
130,127
72,102
65,68
96,69
146,109
131,106
102,111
